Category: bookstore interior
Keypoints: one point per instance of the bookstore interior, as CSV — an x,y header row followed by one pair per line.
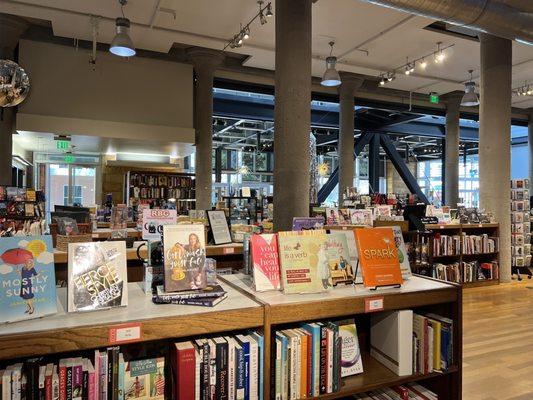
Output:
x,y
248,200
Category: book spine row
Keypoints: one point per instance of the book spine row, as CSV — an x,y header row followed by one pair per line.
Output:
x,y
464,272
479,244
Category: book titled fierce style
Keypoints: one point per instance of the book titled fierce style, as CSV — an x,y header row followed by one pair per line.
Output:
x,y
184,260
303,261
27,278
97,277
266,262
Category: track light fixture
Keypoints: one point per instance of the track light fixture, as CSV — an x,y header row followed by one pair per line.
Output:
x,y
439,55
525,90
423,64
122,45
244,34
331,76
470,98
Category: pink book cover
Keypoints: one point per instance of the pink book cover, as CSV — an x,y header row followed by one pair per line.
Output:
x,y
265,258
91,381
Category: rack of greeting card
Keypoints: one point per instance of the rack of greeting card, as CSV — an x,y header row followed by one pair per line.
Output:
x,y
520,228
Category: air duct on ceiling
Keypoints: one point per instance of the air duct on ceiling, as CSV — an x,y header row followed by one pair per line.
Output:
x,y
511,19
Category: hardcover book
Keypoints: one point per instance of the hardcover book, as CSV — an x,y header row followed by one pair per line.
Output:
x,y
184,261
340,265
265,262
97,276
351,361
303,261
27,278
145,379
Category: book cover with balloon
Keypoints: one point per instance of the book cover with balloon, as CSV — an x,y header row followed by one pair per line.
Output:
x,y
27,278
97,276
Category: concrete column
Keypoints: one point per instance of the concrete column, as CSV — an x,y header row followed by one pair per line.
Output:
x,y
11,28
451,161
346,132
292,112
205,62
495,139
530,144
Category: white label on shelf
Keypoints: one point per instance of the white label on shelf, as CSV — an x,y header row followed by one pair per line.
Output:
x,y
125,333
373,304
229,250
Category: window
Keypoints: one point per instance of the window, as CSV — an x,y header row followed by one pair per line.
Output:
x,y
76,195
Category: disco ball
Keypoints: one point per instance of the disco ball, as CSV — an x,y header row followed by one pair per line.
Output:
x,y
14,84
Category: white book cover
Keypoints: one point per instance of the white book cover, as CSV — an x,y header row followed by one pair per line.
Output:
x,y
278,370
330,362
55,384
391,340
351,361
6,383
293,363
239,393
231,367
16,382
97,276
42,373
254,368
212,367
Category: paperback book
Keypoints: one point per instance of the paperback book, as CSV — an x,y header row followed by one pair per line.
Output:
x,y
265,261
27,278
145,379
341,268
97,276
184,261
303,261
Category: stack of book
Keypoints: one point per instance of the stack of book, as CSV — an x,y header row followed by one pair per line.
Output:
x,y
310,360
479,244
467,271
223,368
108,377
521,226
448,272
444,245
403,392
207,297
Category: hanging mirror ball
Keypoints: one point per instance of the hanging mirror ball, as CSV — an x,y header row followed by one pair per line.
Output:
x,y
14,84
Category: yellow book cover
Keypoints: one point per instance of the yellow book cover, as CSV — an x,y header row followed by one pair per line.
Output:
x,y
437,326
303,261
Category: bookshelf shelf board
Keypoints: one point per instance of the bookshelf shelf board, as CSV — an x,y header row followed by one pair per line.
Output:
x,y
486,282
61,257
223,249
493,253
435,227
480,226
346,300
446,256
80,331
375,376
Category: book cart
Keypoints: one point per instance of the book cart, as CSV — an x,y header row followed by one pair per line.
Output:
x,y
491,229
142,321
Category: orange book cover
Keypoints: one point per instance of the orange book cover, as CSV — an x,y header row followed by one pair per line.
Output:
x,y
303,371
378,257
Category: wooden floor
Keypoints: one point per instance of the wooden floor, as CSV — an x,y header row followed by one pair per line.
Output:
x,y
498,342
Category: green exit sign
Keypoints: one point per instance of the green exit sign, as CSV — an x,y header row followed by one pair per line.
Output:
x,y
434,98
69,158
62,144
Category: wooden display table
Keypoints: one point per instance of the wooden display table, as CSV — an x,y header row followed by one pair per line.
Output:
x,y
80,331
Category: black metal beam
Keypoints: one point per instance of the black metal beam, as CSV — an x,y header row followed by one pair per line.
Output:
x,y
373,163
333,180
218,164
401,167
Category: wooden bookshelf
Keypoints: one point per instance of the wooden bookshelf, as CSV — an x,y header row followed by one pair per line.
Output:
x,y
64,331
348,301
61,257
469,229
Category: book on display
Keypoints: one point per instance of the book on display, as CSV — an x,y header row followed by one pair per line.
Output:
x,y
265,260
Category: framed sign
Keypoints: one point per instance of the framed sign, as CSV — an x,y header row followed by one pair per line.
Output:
x,y
219,226
153,221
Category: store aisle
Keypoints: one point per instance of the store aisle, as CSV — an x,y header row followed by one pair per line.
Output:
x,y
498,342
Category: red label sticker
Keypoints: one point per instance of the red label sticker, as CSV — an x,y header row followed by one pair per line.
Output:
x,y
229,250
125,333
373,304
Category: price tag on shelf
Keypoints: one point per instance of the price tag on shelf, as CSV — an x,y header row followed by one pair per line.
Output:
x,y
441,227
125,333
373,304
229,250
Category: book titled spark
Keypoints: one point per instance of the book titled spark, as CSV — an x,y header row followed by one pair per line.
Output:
x,y
97,276
27,278
265,262
184,259
303,261
145,379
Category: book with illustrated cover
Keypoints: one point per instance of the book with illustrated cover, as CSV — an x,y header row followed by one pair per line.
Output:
x,y
307,223
145,379
351,361
265,261
303,261
184,257
340,265
27,278
97,276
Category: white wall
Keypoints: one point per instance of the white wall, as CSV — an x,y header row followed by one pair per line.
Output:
x,y
137,98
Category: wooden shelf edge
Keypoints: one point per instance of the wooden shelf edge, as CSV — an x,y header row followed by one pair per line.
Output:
x,y
486,282
97,336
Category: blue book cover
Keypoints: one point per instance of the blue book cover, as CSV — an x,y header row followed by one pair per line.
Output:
x,y
314,330
246,350
284,364
27,275
260,344
239,373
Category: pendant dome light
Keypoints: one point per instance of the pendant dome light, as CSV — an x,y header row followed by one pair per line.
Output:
x,y
470,98
331,76
122,45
